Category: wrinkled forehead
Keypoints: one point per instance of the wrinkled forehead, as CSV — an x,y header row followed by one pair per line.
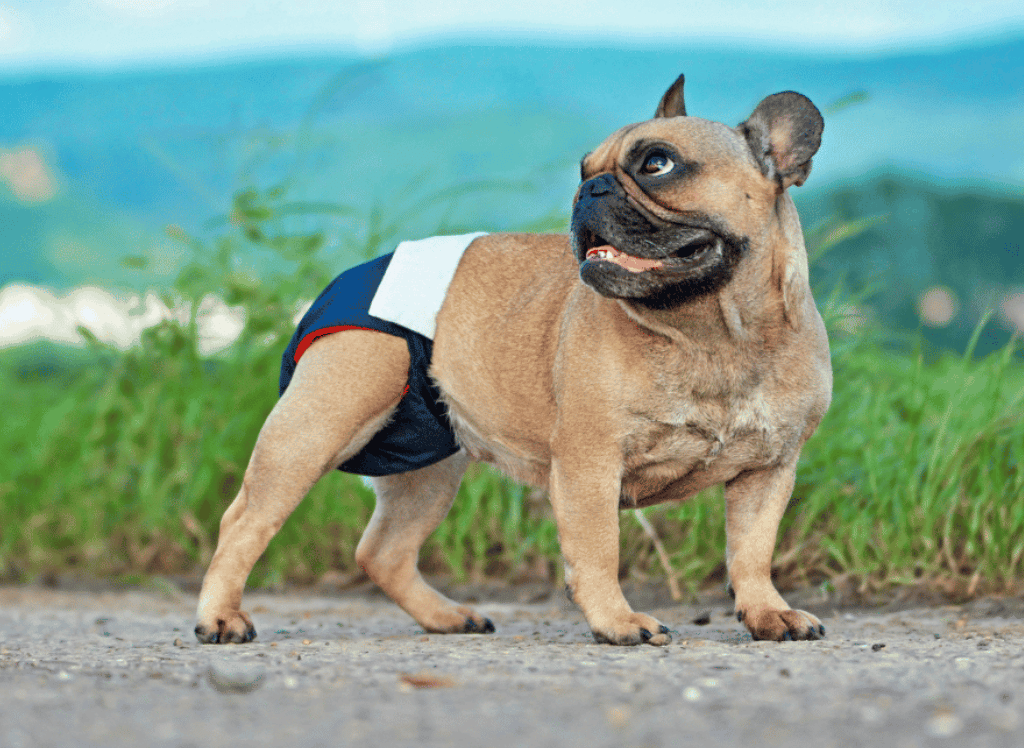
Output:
x,y
698,140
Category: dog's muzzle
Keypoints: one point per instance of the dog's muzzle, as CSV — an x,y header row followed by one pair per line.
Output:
x,y
608,227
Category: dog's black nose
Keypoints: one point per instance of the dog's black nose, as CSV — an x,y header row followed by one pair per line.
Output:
x,y
599,185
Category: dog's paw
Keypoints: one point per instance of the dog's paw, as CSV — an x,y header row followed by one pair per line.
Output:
x,y
478,625
458,620
234,628
630,630
781,625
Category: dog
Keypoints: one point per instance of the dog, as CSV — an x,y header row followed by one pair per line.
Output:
x,y
668,343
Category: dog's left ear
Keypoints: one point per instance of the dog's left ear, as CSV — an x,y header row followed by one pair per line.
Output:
x,y
784,132
671,104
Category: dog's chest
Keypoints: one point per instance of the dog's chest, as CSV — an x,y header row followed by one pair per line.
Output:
x,y
695,444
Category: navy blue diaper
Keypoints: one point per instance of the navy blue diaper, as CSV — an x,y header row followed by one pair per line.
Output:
x,y
419,434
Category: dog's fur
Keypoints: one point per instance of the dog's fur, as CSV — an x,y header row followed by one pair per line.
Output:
x,y
611,386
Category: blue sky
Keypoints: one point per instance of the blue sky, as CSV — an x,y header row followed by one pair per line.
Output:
x,y
119,33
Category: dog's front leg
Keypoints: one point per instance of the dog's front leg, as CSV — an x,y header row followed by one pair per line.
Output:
x,y
585,499
754,503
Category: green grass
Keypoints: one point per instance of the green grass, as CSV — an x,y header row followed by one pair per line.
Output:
x,y
120,464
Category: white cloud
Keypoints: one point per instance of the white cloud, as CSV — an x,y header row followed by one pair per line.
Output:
x,y
112,32
14,30
818,23
136,7
29,313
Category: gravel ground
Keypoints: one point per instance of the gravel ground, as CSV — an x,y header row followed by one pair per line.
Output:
x,y
123,668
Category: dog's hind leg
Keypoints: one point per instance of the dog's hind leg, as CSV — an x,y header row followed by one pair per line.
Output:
x,y
343,391
409,507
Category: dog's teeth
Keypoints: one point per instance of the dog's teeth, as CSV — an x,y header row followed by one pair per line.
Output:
x,y
600,253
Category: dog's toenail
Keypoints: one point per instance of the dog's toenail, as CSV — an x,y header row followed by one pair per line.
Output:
x,y
663,629
645,635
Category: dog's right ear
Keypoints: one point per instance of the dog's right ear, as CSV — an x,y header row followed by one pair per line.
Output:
x,y
784,132
671,104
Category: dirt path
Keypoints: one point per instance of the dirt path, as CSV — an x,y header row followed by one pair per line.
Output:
x,y
112,669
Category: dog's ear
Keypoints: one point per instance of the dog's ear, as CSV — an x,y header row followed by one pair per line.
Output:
x,y
784,132
672,104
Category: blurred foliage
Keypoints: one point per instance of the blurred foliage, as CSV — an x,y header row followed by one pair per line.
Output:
x,y
913,235
121,463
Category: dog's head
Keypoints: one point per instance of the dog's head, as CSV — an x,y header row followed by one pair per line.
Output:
x,y
668,208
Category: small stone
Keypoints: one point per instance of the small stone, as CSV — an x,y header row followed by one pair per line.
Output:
x,y
618,716
424,680
876,647
703,618
232,678
872,714
944,725
178,642
307,641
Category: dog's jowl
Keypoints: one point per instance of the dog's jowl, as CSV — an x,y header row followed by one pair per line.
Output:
x,y
668,343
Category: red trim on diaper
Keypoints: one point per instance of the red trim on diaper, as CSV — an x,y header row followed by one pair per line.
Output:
x,y
307,341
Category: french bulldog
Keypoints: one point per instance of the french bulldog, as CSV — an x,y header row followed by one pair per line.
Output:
x,y
668,343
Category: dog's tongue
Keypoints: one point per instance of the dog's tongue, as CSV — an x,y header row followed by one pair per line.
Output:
x,y
608,253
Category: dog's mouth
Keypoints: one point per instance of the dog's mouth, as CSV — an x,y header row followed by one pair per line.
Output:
x,y
608,253
694,245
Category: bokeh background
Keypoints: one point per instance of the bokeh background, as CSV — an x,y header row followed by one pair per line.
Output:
x,y
178,177
123,117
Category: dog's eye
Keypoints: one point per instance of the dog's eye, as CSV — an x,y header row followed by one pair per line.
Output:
x,y
657,163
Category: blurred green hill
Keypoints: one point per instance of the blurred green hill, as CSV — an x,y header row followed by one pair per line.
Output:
x,y
74,239
478,137
922,234
959,243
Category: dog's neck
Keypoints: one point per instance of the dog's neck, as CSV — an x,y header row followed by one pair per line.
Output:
x,y
699,321
724,318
